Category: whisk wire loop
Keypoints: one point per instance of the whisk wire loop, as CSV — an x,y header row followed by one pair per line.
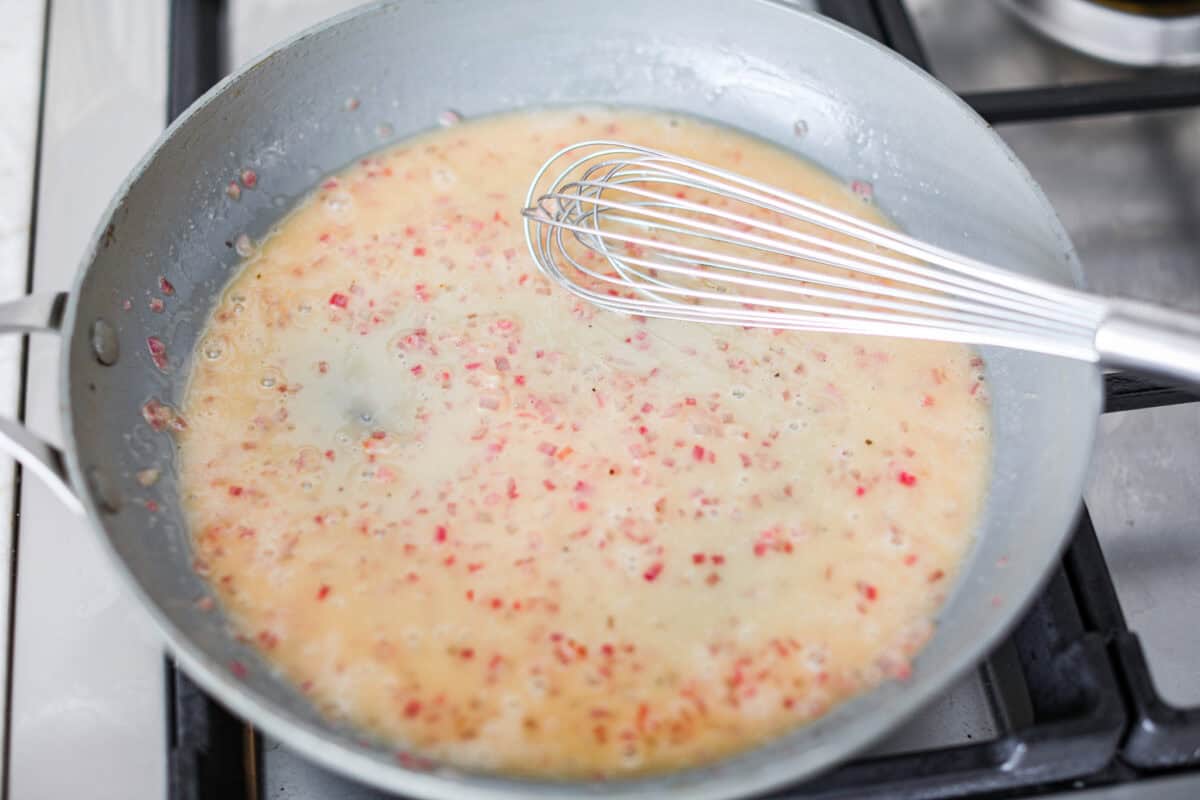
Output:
x,y
642,232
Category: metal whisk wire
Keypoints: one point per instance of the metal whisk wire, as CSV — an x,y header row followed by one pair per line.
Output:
x,y
643,232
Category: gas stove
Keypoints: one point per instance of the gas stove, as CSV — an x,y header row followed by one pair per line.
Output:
x,y
1095,694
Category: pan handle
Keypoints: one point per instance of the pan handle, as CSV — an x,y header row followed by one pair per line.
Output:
x,y
1150,340
37,313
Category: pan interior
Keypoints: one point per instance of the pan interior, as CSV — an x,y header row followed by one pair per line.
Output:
x,y
389,71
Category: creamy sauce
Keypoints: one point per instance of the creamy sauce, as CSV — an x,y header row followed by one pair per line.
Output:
x,y
478,518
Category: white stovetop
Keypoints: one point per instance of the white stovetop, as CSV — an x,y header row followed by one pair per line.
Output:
x,y
20,48
87,716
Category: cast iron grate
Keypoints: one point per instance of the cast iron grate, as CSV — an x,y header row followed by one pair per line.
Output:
x,y
888,21
1160,736
1091,714
1076,721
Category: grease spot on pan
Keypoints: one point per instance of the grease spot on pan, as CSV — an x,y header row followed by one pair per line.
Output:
x,y
103,492
104,343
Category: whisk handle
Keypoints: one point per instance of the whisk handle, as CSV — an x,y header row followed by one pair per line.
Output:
x,y
1151,340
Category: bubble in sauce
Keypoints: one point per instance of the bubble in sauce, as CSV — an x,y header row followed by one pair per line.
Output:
x,y
213,347
815,657
238,303
337,202
351,104
412,638
270,378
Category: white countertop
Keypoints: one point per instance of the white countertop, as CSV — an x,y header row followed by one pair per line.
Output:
x,y
20,64
87,715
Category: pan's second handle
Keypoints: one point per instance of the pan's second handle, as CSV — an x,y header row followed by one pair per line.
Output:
x,y
1151,340
33,314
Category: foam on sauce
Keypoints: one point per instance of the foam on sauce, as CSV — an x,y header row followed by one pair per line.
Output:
x,y
476,517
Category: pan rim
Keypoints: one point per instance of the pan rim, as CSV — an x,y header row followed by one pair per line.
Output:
x,y
756,770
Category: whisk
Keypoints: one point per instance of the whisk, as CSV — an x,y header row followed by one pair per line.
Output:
x,y
648,233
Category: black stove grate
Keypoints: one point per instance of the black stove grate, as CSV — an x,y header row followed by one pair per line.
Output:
x,y
1089,713
1076,717
889,22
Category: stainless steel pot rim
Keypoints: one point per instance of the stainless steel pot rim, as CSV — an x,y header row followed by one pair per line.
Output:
x,y
755,771
1114,35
